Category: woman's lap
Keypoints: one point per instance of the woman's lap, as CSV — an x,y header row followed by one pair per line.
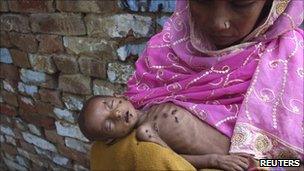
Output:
x,y
129,154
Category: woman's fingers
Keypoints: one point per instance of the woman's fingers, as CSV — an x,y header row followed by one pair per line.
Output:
x,y
234,162
242,164
237,167
244,160
244,155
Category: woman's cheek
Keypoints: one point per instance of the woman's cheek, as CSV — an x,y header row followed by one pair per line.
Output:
x,y
200,21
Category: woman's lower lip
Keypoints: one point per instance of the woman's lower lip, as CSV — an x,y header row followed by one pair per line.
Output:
x,y
221,40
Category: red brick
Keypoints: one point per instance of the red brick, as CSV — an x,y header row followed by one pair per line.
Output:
x,y
76,83
9,149
67,64
50,44
50,96
26,146
14,22
87,6
38,162
17,133
12,83
5,120
93,67
25,42
81,158
45,109
46,122
26,107
42,63
78,6
10,72
38,120
4,6
10,98
31,6
5,39
107,7
38,167
51,82
20,58
53,166
52,136
56,23
102,87
7,110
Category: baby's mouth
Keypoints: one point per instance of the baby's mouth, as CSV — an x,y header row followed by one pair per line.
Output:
x,y
109,126
127,115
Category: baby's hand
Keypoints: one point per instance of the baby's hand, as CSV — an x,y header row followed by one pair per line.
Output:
x,y
232,162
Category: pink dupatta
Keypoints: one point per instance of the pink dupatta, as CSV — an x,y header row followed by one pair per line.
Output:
x,y
251,92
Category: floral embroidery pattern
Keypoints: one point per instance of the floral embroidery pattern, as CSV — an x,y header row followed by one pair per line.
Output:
x,y
249,139
262,143
300,72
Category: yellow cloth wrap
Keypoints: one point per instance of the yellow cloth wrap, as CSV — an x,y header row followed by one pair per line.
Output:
x,y
130,154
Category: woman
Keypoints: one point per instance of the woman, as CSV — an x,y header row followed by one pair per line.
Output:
x,y
236,65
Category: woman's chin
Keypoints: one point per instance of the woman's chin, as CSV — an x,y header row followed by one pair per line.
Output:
x,y
220,47
223,45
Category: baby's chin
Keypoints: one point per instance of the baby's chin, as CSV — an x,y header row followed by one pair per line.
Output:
x,y
117,136
106,139
110,141
113,139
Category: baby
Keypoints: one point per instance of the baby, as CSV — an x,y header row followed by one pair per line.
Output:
x,y
110,118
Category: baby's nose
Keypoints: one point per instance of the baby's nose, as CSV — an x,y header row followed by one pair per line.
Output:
x,y
117,114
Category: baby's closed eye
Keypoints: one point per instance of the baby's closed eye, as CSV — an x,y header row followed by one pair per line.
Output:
x,y
107,105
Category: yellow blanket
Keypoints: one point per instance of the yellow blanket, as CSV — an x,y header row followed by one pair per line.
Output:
x,y
129,154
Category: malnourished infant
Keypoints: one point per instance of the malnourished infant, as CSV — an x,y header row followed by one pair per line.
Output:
x,y
110,118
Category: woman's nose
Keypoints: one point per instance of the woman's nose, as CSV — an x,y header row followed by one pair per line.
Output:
x,y
220,24
220,19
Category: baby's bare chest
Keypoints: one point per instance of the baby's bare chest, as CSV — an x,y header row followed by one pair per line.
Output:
x,y
181,131
173,123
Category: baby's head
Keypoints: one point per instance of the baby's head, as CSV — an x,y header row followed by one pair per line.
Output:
x,y
106,118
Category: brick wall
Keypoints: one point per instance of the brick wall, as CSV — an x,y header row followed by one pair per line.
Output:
x,y
54,55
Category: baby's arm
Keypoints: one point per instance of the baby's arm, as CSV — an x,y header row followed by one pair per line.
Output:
x,y
218,161
226,162
146,133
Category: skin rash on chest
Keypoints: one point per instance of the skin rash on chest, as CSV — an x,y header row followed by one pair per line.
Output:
x,y
183,132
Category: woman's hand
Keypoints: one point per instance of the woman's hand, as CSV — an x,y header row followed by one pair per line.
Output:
x,y
218,161
232,162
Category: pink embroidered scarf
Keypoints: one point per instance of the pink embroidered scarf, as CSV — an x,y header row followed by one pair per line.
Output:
x,y
251,92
